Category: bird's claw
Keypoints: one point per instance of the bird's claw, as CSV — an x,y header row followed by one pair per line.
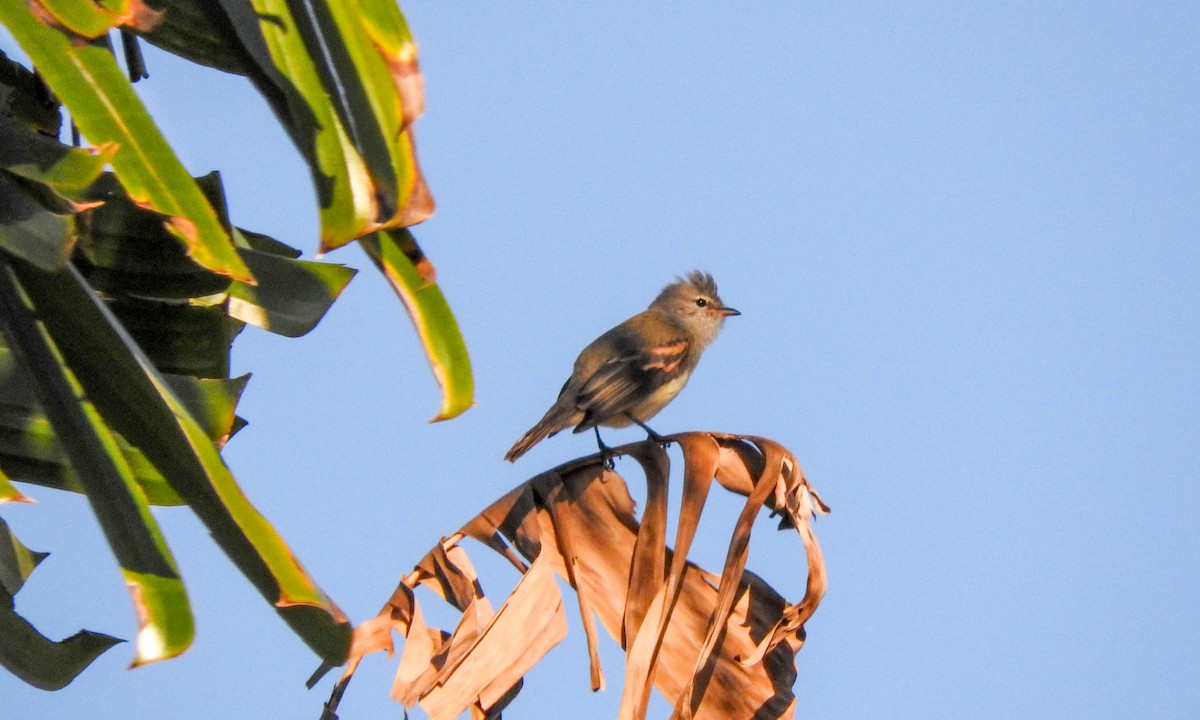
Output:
x,y
650,434
606,453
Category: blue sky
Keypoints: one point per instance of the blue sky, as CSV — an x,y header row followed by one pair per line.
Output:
x,y
964,242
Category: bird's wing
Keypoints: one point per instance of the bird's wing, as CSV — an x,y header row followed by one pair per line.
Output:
x,y
623,381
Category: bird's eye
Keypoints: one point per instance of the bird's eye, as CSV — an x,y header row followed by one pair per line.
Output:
x,y
701,302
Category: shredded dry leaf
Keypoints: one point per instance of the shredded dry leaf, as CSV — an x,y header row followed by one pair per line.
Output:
x,y
717,646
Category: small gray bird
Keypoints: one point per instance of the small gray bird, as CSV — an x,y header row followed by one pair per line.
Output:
x,y
631,372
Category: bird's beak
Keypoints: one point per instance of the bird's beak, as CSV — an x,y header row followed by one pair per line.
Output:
x,y
726,312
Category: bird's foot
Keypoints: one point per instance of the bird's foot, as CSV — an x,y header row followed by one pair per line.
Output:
x,y
607,454
650,434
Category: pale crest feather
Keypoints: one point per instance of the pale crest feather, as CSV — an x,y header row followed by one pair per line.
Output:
x,y
690,284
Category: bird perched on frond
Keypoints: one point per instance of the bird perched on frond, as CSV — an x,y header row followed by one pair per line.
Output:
x,y
631,372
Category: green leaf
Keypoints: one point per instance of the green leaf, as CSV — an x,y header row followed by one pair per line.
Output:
x,y
394,41
265,243
359,85
317,67
67,170
291,296
24,97
33,454
103,104
41,184
200,31
85,17
166,621
134,399
367,69
287,77
16,560
388,29
210,401
31,451
30,231
164,616
40,662
180,339
10,493
393,253
127,250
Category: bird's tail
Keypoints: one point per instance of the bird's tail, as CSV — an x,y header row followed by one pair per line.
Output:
x,y
556,419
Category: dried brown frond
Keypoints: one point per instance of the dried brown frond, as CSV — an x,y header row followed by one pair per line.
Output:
x,y
717,646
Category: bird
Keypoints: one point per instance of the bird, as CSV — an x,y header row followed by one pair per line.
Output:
x,y
630,373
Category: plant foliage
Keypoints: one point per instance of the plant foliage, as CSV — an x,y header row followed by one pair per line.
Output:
x,y
716,645
124,282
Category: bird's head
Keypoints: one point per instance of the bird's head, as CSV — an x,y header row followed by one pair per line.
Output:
x,y
694,302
